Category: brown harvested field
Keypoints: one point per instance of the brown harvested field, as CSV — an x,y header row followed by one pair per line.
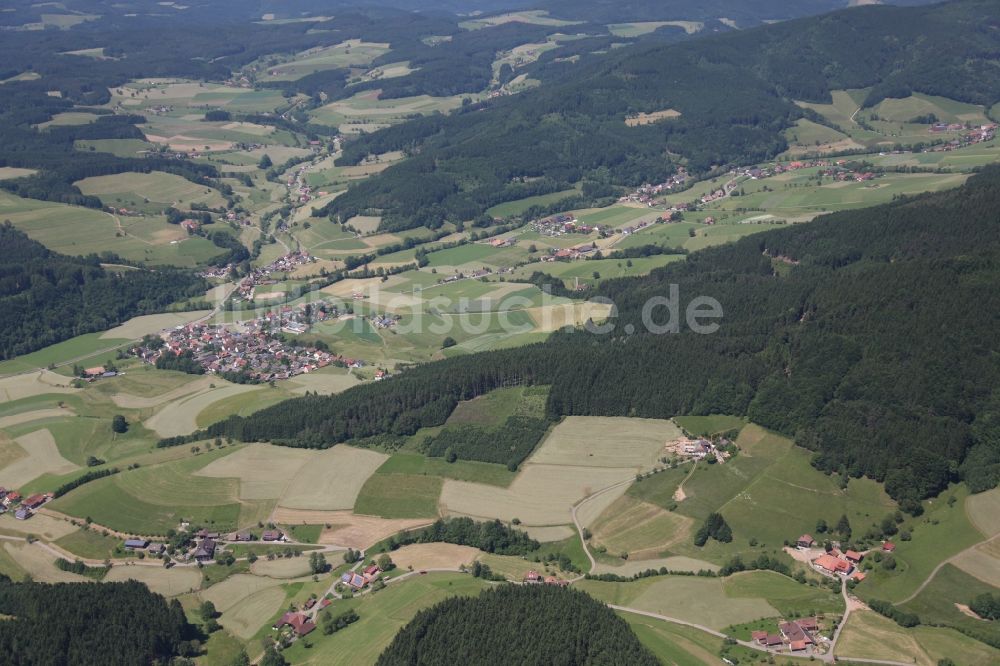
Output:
x,y
868,635
434,556
281,567
332,479
602,441
346,528
264,471
41,525
539,495
982,562
35,415
549,318
366,224
180,417
41,457
650,118
149,324
325,381
39,383
984,511
642,530
549,533
168,582
129,401
40,564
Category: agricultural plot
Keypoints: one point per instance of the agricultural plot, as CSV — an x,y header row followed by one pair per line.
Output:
x,y
460,470
382,615
181,417
346,528
365,112
38,455
984,511
148,324
942,531
870,636
41,525
145,390
533,16
709,425
512,208
168,582
154,499
118,147
281,567
434,556
246,602
352,53
944,602
693,599
807,136
332,479
640,529
9,173
262,470
39,564
68,118
790,598
400,496
602,441
159,189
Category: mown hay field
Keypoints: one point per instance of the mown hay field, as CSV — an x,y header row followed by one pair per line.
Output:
x,y
38,455
168,582
603,441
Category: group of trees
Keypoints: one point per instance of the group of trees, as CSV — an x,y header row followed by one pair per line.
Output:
x,y
986,606
714,527
490,537
508,444
518,624
48,297
103,624
864,352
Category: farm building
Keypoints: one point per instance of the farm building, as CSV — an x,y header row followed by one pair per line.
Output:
x,y
34,501
135,544
156,548
854,556
22,514
299,623
355,580
205,550
889,546
272,535
243,536
805,541
833,565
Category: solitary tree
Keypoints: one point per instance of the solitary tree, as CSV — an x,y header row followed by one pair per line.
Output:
x,y
207,611
119,424
385,562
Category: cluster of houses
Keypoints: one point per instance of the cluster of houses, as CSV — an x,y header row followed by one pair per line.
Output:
x,y
836,562
535,578
977,135
254,353
563,223
23,508
646,194
795,635
262,276
357,581
844,174
699,449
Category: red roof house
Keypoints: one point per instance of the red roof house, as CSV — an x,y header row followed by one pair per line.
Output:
x,y
299,623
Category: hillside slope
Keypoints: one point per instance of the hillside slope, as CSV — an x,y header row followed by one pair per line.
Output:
x,y
735,94
867,335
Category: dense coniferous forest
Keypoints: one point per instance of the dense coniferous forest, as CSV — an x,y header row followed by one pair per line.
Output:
x,y
99,624
735,93
518,624
48,297
873,349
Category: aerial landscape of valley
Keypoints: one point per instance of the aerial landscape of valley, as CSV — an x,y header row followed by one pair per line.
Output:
x,y
499,332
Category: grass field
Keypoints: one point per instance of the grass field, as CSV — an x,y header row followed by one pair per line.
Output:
x,y
512,208
31,456
690,598
601,441
399,496
640,529
168,582
281,567
871,636
91,544
149,191
790,598
39,564
382,615
80,231
460,470
154,499
937,603
942,531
